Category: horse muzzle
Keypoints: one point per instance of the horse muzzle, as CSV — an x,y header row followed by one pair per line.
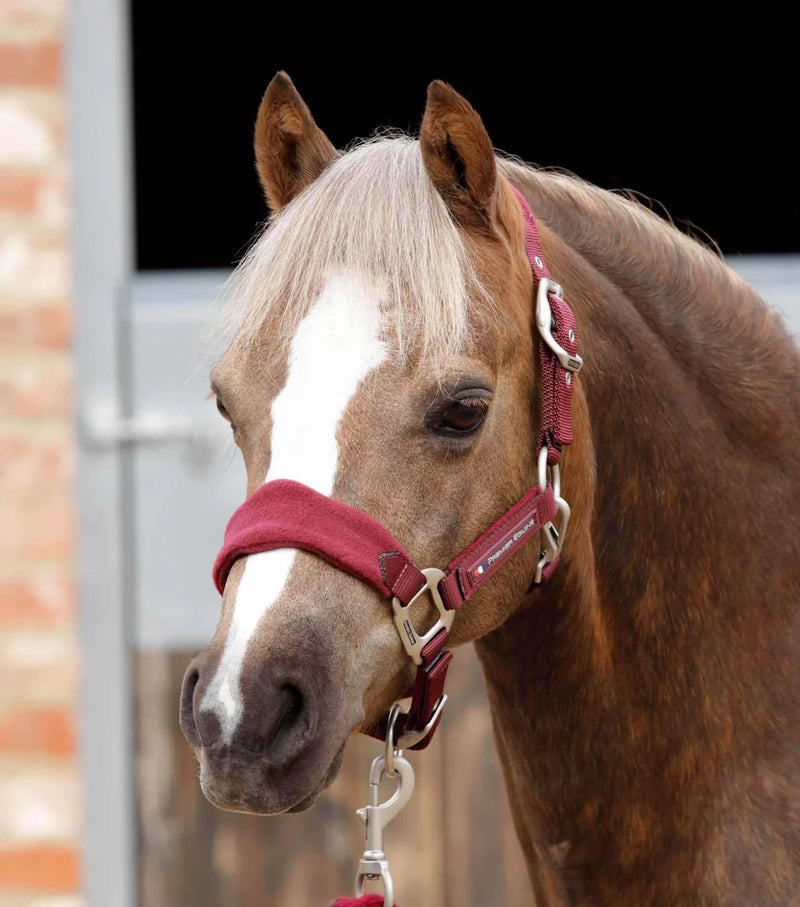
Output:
x,y
274,747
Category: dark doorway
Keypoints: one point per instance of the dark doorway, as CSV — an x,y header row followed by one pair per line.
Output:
x,y
710,147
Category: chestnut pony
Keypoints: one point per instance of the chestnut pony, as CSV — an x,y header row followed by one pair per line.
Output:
x,y
646,701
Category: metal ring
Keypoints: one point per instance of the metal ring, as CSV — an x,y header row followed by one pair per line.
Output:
x,y
543,454
386,879
390,752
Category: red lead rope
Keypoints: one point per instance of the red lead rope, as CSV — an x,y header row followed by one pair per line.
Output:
x,y
287,514
366,900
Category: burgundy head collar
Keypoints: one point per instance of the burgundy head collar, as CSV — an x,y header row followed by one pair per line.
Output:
x,y
287,514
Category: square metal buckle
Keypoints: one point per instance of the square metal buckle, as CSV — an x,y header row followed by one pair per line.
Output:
x,y
414,642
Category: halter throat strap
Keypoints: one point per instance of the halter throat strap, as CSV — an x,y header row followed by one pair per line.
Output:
x,y
288,514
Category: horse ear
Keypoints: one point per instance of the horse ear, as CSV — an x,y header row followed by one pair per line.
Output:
x,y
459,156
291,150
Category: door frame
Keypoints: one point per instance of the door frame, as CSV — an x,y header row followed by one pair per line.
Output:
x,y
99,100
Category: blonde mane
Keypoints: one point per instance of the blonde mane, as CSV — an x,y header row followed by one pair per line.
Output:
x,y
375,213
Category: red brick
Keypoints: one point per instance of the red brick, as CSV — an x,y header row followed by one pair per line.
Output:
x,y
35,327
38,668
41,529
30,64
35,390
52,327
41,869
47,601
30,465
38,15
19,192
49,732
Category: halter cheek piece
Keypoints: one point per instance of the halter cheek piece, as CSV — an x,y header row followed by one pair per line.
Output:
x,y
287,514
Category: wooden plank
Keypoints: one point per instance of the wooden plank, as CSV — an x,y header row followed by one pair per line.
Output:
x,y
453,844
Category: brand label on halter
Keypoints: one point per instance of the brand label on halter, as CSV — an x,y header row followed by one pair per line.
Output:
x,y
409,632
504,547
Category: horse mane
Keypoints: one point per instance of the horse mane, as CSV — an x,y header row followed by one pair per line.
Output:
x,y
731,346
375,214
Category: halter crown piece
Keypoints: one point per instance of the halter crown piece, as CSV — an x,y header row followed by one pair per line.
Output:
x,y
287,514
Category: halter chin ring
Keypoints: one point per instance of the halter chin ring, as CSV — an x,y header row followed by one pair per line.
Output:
x,y
544,322
414,642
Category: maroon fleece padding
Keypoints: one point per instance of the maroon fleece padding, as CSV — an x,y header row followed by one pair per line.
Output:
x,y
286,514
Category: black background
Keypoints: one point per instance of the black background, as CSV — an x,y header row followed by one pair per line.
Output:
x,y
711,140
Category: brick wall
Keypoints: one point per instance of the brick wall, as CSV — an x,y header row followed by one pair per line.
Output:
x,y
39,781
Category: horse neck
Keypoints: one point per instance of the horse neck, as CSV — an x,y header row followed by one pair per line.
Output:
x,y
616,690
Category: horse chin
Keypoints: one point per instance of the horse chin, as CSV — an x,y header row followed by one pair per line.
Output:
x,y
253,786
330,776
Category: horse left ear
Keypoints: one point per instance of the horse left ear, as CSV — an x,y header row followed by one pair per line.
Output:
x,y
459,157
291,150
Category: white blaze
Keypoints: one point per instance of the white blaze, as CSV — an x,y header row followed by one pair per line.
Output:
x,y
336,346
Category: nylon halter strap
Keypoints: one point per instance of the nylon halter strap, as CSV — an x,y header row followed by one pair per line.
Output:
x,y
287,514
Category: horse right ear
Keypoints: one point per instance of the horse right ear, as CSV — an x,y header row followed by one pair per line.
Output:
x,y
291,150
459,157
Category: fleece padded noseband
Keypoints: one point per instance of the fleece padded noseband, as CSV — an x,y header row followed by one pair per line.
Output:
x,y
287,514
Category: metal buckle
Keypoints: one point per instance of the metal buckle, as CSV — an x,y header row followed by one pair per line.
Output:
x,y
414,642
544,321
552,538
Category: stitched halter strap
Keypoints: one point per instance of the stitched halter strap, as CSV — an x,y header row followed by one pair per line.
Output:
x,y
287,514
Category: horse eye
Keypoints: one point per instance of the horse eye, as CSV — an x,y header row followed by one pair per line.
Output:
x,y
463,417
222,411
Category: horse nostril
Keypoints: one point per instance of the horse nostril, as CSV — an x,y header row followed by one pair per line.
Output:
x,y
187,720
292,709
293,725
277,717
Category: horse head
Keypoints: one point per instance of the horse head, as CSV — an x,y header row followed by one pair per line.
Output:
x,y
384,356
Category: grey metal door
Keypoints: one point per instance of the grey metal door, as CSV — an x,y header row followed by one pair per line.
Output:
x,y
186,478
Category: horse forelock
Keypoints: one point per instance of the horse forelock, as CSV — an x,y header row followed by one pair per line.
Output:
x,y
373,212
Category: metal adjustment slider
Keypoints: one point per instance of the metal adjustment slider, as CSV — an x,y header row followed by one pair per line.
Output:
x,y
410,738
544,322
552,538
414,642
